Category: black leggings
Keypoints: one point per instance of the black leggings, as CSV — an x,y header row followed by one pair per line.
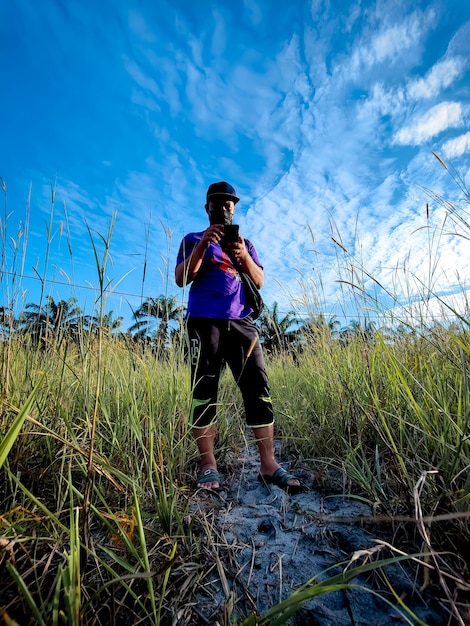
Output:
x,y
213,342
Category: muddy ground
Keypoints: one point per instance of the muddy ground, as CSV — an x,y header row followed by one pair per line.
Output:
x,y
266,544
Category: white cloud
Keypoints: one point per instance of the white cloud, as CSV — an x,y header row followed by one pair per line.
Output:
x,y
459,45
457,146
390,43
438,78
434,308
438,119
383,101
320,149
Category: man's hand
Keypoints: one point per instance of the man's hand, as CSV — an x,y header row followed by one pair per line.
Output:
x,y
186,271
237,250
213,234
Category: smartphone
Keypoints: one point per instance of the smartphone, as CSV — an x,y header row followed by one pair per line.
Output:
x,y
231,233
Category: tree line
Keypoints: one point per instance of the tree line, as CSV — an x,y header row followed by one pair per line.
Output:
x,y
158,322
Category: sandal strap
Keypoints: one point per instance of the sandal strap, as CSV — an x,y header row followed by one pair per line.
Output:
x,y
282,476
209,475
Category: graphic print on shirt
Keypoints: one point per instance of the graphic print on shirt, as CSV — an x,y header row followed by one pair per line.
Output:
x,y
226,265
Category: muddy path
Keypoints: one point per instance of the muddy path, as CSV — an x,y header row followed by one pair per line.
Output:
x,y
266,544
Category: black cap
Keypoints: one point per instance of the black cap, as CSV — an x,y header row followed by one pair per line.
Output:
x,y
222,189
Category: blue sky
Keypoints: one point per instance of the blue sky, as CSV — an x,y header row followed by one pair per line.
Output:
x,y
323,114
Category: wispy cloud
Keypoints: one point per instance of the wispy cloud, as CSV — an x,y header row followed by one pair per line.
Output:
x,y
441,75
439,118
313,145
324,121
338,180
456,147
388,40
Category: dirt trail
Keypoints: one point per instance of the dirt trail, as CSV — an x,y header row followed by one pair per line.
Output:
x,y
271,543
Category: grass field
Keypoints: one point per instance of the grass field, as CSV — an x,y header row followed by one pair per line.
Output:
x,y
94,441
97,462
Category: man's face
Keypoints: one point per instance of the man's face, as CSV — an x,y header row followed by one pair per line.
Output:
x,y
217,207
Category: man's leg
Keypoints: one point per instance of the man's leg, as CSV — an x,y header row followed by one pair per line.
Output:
x,y
204,438
205,369
264,436
249,370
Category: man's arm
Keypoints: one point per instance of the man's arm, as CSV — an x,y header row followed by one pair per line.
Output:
x,y
239,251
186,271
252,269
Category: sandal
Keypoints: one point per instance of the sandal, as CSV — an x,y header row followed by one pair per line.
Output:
x,y
280,478
210,475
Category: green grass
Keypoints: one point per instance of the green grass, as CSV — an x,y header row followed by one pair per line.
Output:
x,y
96,461
380,415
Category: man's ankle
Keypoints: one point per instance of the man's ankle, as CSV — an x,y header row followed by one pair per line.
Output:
x,y
208,465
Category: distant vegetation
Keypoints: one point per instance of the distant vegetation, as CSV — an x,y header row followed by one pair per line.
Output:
x,y
96,461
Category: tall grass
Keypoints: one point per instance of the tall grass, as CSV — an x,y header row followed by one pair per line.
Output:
x,y
96,460
402,405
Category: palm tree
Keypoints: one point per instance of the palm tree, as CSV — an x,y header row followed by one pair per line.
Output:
x,y
55,321
319,326
108,323
355,330
7,322
162,308
275,335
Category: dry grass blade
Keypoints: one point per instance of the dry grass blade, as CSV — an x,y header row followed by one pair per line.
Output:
x,y
439,159
340,245
433,555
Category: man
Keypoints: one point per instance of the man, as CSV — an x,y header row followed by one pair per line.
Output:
x,y
221,331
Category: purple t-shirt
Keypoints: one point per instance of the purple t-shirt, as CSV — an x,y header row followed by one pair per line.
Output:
x,y
217,290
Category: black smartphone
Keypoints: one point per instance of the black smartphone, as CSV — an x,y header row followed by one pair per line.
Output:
x,y
230,233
